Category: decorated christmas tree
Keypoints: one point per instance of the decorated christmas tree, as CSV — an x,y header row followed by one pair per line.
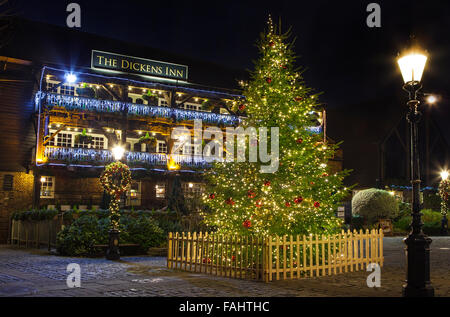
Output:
x,y
303,194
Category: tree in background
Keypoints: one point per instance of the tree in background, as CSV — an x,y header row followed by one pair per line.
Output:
x,y
302,196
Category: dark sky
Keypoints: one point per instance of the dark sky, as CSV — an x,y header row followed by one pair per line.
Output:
x,y
344,58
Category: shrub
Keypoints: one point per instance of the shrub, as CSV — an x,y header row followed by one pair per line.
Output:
x,y
374,204
80,238
403,223
82,235
431,222
35,215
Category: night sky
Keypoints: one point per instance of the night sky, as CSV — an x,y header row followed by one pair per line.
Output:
x,y
344,58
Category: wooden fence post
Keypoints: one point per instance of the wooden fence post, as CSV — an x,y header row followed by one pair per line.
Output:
x,y
381,248
169,251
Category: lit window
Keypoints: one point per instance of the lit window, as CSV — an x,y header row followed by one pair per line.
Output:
x,y
64,140
162,102
67,90
191,106
134,194
192,189
192,149
47,187
98,142
160,190
162,147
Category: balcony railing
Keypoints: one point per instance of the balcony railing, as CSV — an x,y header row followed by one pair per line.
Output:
x,y
110,106
80,155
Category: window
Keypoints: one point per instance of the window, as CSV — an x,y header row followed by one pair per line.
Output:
x,y
82,145
134,194
63,89
160,190
67,90
8,181
50,85
162,147
64,140
98,142
47,187
162,102
52,141
192,189
191,149
191,106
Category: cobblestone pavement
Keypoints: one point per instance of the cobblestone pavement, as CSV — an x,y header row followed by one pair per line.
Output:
x,y
35,273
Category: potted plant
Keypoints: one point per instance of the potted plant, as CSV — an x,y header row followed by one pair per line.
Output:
x,y
86,91
150,141
150,97
83,138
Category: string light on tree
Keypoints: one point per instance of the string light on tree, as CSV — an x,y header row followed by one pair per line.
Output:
x,y
302,195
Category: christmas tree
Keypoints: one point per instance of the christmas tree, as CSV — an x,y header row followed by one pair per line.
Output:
x,y
302,196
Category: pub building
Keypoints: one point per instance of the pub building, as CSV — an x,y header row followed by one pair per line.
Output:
x,y
69,100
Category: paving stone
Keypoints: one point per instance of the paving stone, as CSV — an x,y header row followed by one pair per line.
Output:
x,y
34,273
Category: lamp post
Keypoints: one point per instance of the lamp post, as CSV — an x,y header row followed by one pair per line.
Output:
x,y
113,252
444,193
412,65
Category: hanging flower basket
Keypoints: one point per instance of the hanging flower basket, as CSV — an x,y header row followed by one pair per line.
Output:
x,y
149,140
86,91
150,97
83,138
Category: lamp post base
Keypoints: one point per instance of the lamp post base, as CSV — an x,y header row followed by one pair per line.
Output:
x,y
444,225
113,247
418,271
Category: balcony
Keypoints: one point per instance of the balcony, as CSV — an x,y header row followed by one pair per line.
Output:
x,y
81,156
110,106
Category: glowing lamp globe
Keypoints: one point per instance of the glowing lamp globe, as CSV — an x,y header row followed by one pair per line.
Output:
x,y
444,175
118,152
412,66
71,78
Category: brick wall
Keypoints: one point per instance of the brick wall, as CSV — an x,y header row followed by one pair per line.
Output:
x,y
18,199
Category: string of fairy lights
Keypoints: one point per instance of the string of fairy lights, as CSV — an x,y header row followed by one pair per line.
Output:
x,y
97,105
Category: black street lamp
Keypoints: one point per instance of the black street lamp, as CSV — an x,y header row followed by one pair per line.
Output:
x,y
418,282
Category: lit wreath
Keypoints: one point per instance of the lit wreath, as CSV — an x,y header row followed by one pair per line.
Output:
x,y
116,178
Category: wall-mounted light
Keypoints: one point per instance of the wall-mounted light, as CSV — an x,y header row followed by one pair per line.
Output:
x,y
71,78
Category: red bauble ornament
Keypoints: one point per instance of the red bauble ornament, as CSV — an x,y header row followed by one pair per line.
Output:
x,y
269,80
272,43
324,174
288,204
317,204
298,98
299,141
212,196
247,224
242,107
311,183
267,183
298,200
251,194
229,201
258,203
